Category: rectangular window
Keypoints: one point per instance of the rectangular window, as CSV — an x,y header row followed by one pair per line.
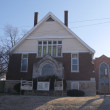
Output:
x,y
74,63
24,63
44,50
39,51
59,50
49,49
53,48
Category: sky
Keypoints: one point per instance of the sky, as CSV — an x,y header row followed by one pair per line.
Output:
x,y
88,19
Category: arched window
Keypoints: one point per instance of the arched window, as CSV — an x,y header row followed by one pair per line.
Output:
x,y
47,70
103,69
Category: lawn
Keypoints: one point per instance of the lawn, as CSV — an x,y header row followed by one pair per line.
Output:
x,y
14,102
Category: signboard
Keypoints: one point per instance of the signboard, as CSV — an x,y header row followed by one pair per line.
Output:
x,y
58,85
43,86
26,85
75,85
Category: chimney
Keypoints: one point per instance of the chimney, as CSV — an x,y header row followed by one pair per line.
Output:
x,y
35,18
66,18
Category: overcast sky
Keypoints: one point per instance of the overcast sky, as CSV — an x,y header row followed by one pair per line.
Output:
x,y
89,19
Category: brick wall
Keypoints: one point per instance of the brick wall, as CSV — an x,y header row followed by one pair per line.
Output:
x,y
85,67
97,62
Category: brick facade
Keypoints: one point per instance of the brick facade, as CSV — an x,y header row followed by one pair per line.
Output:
x,y
85,67
97,63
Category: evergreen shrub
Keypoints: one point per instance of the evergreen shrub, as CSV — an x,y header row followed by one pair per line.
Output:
x,y
75,92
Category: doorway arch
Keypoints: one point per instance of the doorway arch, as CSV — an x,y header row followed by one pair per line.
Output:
x,y
48,66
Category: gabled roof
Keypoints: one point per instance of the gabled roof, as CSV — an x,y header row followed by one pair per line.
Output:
x,y
61,23
103,56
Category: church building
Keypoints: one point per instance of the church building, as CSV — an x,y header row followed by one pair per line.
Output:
x,y
51,48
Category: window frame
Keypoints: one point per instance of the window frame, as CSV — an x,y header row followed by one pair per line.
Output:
x,y
100,73
51,45
21,62
75,64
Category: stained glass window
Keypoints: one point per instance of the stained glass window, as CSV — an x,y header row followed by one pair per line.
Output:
x,y
49,50
39,50
47,70
103,69
44,50
53,48
59,50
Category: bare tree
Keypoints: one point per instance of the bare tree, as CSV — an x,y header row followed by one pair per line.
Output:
x,y
11,34
10,39
4,59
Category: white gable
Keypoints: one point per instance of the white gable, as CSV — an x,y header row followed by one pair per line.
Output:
x,y
49,30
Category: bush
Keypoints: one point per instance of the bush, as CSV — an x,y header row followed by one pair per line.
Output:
x,y
2,86
75,92
98,92
17,87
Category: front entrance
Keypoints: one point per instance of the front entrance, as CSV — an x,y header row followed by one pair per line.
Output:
x,y
48,66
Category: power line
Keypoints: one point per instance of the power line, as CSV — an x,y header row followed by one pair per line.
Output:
x,y
89,20
75,22
91,24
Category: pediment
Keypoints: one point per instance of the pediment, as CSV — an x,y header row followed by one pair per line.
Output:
x,y
47,59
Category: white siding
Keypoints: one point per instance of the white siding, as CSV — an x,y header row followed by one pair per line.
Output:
x,y
27,46
73,45
68,46
70,43
50,29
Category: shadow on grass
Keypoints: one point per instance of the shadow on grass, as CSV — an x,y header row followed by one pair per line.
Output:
x,y
88,103
13,102
105,105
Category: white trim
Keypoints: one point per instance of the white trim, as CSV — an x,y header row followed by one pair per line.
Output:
x,y
77,64
75,51
49,37
24,52
62,24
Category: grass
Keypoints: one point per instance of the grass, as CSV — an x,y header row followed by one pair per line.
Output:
x,y
12,102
